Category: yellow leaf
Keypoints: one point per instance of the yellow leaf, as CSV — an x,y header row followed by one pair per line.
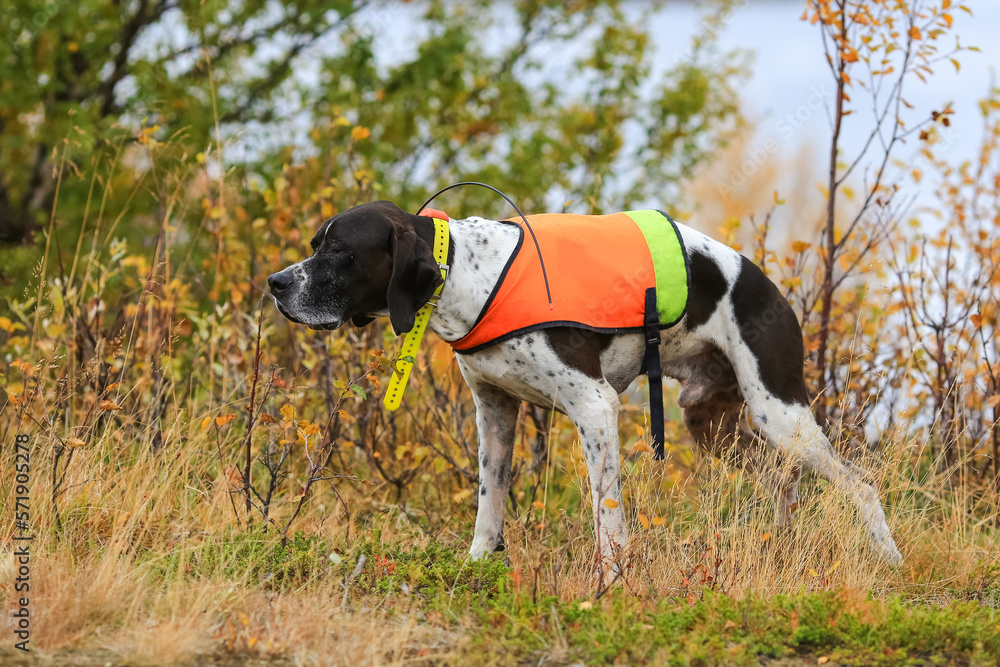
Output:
x,y
251,642
914,32
993,401
850,55
326,209
948,19
6,324
342,122
658,521
846,298
765,537
643,520
75,442
224,419
107,404
358,133
287,412
813,572
205,422
800,246
586,604
610,503
833,568
822,660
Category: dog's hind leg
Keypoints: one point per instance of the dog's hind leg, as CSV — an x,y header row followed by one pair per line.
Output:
x,y
496,419
719,425
715,415
763,341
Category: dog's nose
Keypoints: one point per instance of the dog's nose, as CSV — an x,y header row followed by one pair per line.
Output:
x,y
279,282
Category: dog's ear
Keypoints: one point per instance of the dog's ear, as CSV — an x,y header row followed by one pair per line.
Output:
x,y
415,275
361,320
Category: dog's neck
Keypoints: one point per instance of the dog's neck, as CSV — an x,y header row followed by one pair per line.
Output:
x,y
479,251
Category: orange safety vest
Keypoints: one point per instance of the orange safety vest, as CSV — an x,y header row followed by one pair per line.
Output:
x,y
599,268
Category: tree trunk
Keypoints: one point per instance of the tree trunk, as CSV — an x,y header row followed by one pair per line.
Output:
x,y
822,413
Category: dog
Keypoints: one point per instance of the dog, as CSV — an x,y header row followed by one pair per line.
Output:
x,y
737,352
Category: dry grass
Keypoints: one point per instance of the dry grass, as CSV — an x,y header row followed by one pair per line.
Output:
x,y
133,521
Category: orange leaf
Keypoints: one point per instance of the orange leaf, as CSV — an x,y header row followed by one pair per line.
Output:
x,y
994,400
800,246
205,422
915,33
107,404
610,503
224,419
267,419
643,520
977,320
358,132
641,446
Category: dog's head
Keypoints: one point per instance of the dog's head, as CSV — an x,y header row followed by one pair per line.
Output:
x,y
367,261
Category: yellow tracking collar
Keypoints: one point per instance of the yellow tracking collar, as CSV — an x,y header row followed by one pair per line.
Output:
x,y
408,355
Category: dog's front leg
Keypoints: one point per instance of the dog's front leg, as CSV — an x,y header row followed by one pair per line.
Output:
x,y
496,418
594,410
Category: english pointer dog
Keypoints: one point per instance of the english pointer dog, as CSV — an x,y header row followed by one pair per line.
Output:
x,y
737,350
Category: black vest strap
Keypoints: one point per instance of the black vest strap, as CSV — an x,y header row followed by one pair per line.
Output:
x,y
654,372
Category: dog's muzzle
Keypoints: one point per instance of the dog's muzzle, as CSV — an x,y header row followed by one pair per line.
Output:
x,y
282,286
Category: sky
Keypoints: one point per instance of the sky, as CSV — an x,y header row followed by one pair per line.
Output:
x,y
790,73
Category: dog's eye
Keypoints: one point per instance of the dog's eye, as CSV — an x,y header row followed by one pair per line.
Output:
x,y
313,244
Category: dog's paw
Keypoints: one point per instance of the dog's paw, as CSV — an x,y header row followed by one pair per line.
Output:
x,y
482,548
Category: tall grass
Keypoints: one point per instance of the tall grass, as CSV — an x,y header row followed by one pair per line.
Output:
x,y
133,373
